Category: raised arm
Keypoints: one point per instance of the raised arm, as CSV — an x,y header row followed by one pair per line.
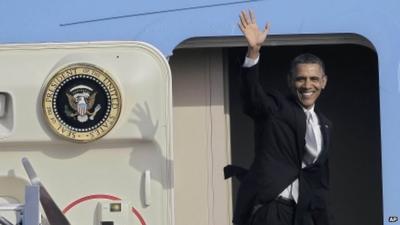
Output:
x,y
256,101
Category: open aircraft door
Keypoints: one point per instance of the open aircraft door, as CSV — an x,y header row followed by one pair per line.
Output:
x,y
94,120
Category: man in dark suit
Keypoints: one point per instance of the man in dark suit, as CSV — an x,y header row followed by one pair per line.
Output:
x,y
288,180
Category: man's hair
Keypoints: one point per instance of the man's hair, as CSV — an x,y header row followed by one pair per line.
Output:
x,y
306,58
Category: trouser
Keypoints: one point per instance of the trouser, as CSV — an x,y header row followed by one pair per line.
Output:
x,y
277,212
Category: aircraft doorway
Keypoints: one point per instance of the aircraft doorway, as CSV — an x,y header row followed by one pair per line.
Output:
x,y
350,101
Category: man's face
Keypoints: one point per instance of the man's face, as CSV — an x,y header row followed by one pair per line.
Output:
x,y
307,82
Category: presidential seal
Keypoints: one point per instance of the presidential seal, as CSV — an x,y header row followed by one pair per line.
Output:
x,y
81,102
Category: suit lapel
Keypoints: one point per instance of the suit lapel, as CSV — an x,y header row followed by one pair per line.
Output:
x,y
301,131
325,131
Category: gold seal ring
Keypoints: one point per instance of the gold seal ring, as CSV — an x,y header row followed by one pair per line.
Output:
x,y
81,102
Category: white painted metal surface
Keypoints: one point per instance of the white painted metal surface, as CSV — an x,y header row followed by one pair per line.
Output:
x,y
79,176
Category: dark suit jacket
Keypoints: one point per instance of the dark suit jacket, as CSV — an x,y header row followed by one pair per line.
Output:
x,y
280,126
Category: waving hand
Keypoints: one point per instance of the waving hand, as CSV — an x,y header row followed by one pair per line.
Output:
x,y
254,36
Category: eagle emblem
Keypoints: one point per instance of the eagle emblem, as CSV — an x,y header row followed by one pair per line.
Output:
x,y
81,100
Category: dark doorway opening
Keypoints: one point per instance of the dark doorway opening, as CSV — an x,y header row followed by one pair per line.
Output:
x,y
350,101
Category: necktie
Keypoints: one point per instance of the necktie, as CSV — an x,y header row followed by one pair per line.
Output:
x,y
311,140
